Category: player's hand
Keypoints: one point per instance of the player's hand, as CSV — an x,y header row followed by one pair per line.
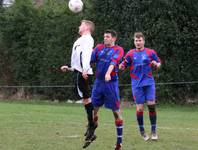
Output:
x,y
155,64
107,77
85,75
121,67
64,68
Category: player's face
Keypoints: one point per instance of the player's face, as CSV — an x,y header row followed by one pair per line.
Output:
x,y
139,43
82,28
109,40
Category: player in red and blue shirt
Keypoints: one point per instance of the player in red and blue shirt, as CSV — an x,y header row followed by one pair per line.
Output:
x,y
105,91
141,61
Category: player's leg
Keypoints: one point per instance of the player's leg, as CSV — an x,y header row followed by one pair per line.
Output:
x,y
89,110
112,101
139,98
84,92
91,129
140,121
119,127
97,101
150,96
90,136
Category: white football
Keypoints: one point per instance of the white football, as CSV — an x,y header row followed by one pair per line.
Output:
x,y
75,5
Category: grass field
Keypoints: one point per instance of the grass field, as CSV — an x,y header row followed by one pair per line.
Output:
x,y
47,126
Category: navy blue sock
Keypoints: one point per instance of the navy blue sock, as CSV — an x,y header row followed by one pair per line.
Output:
x,y
119,126
139,115
153,117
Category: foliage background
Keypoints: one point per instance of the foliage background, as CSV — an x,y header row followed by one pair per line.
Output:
x,y
36,40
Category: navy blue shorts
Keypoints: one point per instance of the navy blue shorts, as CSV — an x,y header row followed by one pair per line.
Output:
x,y
143,94
106,93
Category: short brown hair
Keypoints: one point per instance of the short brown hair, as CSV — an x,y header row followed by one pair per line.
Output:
x,y
139,35
90,24
112,32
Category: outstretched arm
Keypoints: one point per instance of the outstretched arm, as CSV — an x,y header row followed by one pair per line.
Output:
x,y
66,68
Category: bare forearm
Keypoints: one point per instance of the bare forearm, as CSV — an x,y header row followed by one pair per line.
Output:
x,y
108,73
110,69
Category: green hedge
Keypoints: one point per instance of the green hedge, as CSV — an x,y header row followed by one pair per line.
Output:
x,y
170,28
36,41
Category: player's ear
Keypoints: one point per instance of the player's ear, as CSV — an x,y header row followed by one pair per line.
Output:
x,y
114,39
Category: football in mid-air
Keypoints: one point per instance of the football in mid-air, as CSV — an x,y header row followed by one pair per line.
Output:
x,y
75,5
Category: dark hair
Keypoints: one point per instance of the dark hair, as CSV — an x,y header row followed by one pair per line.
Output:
x,y
112,32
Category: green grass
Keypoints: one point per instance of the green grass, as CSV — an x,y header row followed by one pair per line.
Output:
x,y
47,126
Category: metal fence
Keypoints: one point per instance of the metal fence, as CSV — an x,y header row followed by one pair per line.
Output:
x,y
169,92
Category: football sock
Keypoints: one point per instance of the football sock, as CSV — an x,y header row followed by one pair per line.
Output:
x,y
119,126
139,115
153,117
89,109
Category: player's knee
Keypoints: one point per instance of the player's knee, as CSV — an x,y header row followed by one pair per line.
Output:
x,y
117,115
86,101
118,122
151,102
139,109
95,118
151,108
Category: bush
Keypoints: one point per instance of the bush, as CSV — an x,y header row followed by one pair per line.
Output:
x,y
36,41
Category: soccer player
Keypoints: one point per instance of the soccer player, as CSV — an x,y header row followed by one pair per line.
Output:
x,y
105,90
80,64
141,60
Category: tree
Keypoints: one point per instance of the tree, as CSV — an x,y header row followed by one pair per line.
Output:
x,y
170,28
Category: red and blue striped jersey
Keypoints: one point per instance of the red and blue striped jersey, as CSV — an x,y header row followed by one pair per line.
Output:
x,y
104,57
140,66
